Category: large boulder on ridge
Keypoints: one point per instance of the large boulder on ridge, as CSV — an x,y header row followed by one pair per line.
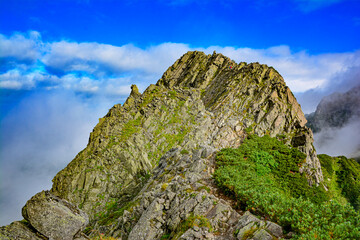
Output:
x,y
53,217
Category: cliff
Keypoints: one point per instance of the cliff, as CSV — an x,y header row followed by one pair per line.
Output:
x,y
148,166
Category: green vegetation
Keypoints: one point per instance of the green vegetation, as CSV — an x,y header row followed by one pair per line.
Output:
x,y
113,210
175,121
204,187
184,151
263,176
343,177
164,186
191,221
101,236
131,127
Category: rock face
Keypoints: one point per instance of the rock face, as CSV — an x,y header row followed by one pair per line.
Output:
x,y
19,230
178,204
47,217
200,100
335,110
146,172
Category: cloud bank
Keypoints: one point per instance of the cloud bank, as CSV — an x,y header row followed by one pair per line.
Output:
x,y
68,85
39,137
339,141
96,68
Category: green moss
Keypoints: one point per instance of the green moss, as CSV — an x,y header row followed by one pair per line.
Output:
x,y
101,168
113,210
249,233
164,186
249,129
191,221
172,94
184,151
174,122
165,236
204,187
130,128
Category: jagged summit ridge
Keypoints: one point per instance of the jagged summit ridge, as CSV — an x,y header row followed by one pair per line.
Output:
x,y
216,76
246,96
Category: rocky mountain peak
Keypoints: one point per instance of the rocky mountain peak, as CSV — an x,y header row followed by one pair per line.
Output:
x,y
146,154
201,100
217,76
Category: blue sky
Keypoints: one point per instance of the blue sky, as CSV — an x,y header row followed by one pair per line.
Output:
x,y
64,63
317,26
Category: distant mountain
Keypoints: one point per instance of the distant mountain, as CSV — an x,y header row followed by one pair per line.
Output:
x,y
335,110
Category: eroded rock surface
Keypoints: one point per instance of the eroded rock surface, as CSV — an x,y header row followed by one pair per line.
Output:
x,y
146,172
180,202
199,100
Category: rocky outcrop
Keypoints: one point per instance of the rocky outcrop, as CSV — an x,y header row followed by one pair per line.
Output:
x,y
146,172
243,97
180,202
200,100
20,230
249,226
47,217
128,142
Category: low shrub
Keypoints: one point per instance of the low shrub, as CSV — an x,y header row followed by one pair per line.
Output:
x,y
263,176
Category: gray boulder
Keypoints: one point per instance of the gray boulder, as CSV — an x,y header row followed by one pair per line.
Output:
x,y
251,227
53,217
19,230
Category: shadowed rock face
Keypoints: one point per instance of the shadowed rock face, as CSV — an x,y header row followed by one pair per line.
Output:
x,y
335,110
19,230
200,100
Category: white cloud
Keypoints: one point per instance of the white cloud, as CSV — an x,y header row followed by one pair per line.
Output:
x,y
22,47
39,137
300,70
19,79
14,79
103,59
343,141
341,81
106,69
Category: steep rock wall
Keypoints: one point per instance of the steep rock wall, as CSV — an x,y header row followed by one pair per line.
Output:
x,y
202,100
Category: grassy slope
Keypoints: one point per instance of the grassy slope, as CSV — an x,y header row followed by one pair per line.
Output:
x,y
263,175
